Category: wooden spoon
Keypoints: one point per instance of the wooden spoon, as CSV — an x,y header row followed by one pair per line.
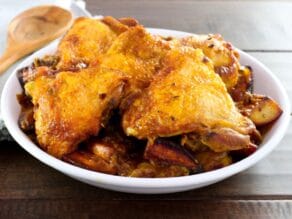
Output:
x,y
33,29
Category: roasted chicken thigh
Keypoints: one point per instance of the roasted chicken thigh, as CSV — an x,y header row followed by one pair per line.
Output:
x,y
88,40
137,54
71,106
224,57
187,96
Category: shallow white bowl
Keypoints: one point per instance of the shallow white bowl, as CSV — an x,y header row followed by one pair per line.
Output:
x,y
265,82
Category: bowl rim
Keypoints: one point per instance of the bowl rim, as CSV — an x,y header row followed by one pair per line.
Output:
x,y
128,182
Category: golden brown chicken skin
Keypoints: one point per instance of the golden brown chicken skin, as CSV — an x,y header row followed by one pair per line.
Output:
x,y
72,106
88,40
136,53
186,96
224,57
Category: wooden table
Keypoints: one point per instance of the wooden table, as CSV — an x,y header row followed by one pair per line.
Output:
x,y
30,189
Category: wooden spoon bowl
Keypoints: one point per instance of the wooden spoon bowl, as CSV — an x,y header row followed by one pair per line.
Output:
x,y
33,29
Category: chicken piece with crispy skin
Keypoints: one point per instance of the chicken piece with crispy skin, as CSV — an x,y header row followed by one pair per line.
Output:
x,y
137,54
71,106
224,57
186,96
88,40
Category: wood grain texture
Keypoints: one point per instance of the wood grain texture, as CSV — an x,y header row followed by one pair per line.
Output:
x,y
145,209
250,25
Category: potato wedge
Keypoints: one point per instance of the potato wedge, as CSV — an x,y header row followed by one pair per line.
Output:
x,y
170,153
265,111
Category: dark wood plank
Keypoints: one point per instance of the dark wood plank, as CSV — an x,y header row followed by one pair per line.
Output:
x,y
145,209
249,25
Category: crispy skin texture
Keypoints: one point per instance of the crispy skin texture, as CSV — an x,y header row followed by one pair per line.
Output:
x,y
137,54
71,106
225,59
184,97
87,41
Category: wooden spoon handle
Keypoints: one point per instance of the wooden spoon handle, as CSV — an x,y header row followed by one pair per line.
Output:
x,y
8,59
10,56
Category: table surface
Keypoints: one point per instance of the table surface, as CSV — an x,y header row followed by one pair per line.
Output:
x,y
30,189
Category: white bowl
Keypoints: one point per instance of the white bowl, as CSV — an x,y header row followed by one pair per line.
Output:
x,y
265,82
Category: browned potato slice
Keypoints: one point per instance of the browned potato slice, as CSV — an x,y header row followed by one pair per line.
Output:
x,y
170,153
265,111
90,161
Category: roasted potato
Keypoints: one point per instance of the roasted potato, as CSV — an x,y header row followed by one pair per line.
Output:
x,y
264,111
170,153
